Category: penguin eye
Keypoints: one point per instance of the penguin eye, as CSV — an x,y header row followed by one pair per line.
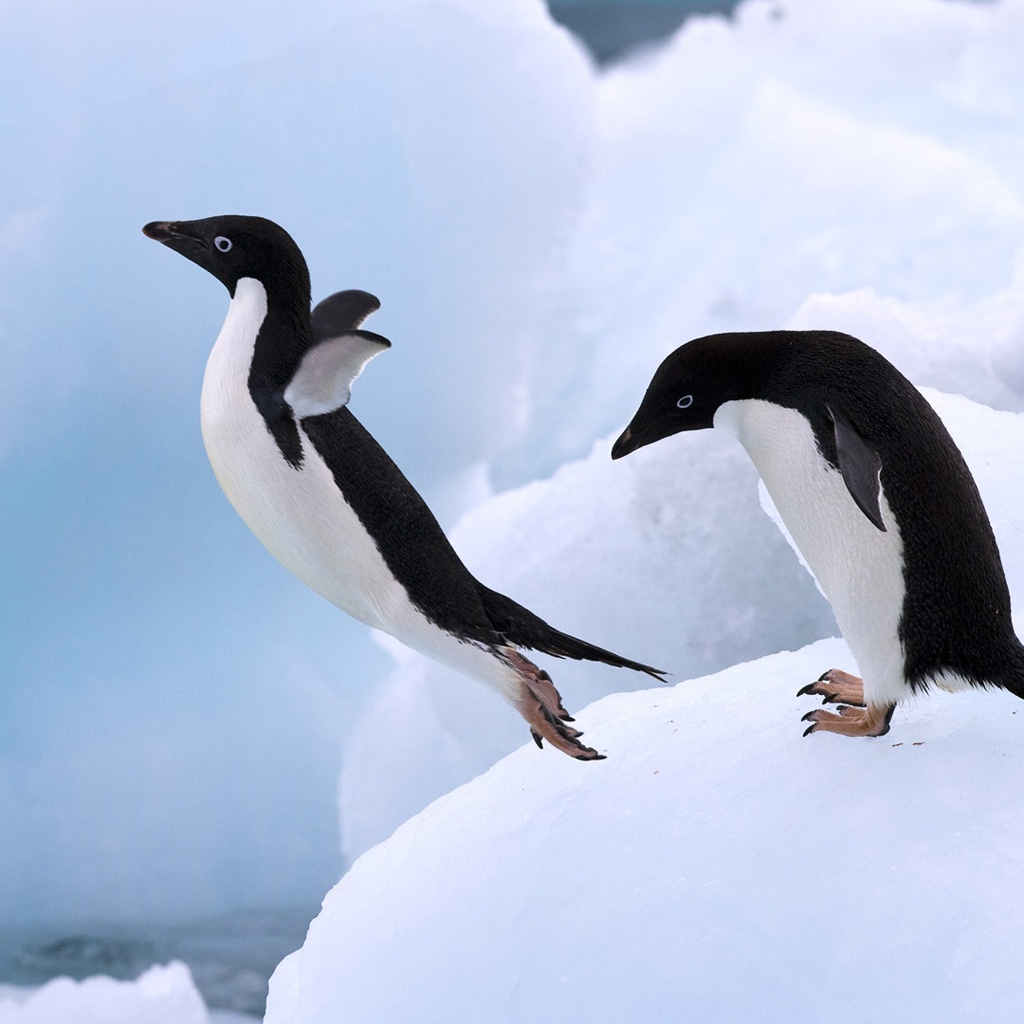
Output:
x,y
685,402
222,243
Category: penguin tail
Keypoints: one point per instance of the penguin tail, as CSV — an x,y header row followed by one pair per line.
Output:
x,y
1013,678
518,625
1008,676
1015,686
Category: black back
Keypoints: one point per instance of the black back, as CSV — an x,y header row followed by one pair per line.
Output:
x,y
420,556
404,529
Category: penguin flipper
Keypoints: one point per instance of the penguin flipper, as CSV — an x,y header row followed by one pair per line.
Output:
x,y
341,312
323,380
518,625
860,465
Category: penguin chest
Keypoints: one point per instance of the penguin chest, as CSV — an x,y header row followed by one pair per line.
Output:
x,y
298,513
858,567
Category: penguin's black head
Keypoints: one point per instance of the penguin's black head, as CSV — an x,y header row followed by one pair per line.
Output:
x,y
693,382
233,247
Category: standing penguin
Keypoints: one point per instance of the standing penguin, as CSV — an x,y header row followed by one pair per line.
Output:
x,y
876,496
324,497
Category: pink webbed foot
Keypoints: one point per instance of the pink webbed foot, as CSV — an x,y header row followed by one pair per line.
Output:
x,y
855,717
836,687
541,705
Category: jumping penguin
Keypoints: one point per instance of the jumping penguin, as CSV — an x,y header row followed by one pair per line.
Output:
x,y
324,497
877,498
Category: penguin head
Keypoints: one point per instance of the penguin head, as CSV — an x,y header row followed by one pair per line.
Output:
x,y
690,386
234,247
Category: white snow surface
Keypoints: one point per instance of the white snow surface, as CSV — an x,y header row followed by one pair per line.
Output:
x,y
717,866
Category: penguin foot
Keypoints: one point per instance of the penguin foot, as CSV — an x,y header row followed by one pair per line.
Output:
x,y
541,705
851,721
836,687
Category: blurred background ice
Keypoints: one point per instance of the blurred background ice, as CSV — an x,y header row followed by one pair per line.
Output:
x,y
542,223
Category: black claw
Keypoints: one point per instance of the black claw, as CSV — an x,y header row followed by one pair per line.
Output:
x,y
536,738
808,717
806,689
809,730
821,678
566,717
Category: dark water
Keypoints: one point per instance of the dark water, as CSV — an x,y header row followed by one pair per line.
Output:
x,y
231,956
613,29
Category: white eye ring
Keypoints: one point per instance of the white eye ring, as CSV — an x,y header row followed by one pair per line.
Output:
x,y
222,243
685,402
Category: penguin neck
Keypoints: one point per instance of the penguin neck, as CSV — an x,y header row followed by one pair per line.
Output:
x,y
283,339
284,332
261,342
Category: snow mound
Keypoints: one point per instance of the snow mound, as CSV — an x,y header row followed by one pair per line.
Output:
x,y
162,995
716,867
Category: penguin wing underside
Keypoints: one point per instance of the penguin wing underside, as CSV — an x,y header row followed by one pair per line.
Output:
x,y
323,380
860,465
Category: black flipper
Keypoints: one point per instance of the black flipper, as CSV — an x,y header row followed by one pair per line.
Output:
x,y
860,466
519,626
341,312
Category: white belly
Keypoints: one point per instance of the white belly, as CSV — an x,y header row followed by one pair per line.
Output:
x,y
857,566
300,516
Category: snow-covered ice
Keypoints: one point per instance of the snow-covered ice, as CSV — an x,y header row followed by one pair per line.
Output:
x,y
162,995
717,867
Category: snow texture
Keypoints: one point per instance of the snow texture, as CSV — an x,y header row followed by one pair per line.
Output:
x,y
717,867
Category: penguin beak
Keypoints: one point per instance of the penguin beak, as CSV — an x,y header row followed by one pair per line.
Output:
x,y
643,430
158,230
626,443
175,235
